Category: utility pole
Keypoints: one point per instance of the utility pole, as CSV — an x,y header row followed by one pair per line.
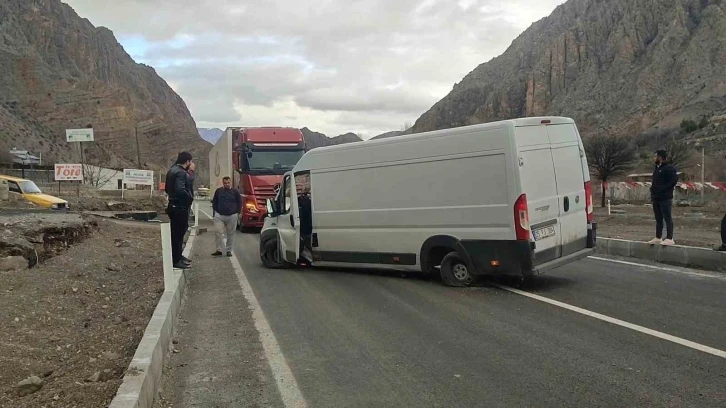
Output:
x,y
703,170
138,152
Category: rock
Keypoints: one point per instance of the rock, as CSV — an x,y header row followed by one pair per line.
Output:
x,y
113,268
48,373
109,355
602,63
12,263
72,83
121,243
99,376
29,385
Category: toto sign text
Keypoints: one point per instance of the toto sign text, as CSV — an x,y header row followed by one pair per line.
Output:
x,y
143,177
68,172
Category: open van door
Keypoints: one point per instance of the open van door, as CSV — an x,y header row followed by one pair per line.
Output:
x,y
288,222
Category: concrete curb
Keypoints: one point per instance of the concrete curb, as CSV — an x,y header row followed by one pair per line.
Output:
x,y
701,258
143,376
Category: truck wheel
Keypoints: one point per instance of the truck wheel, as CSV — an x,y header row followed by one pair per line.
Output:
x,y
454,272
268,254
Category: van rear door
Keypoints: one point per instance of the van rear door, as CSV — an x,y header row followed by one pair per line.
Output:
x,y
537,179
567,156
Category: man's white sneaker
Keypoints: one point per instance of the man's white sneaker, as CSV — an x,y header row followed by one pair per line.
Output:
x,y
655,241
668,242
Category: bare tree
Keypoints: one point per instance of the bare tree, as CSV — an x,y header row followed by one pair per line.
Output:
x,y
609,156
97,170
680,154
406,125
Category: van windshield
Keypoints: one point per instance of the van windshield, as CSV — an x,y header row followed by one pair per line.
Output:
x,y
29,187
276,162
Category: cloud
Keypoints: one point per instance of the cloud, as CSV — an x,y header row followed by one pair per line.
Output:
x,y
332,65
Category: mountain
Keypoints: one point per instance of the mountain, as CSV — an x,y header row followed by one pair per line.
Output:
x,y
315,139
389,134
58,71
210,135
621,66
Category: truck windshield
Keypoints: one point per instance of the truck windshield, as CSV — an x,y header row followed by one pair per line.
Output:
x,y
272,161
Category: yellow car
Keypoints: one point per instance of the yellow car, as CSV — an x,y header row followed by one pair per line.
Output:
x,y
29,191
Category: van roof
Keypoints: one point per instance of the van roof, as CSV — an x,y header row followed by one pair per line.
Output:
x,y
534,121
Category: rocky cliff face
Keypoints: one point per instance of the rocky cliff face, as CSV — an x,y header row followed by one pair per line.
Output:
x,y
621,66
58,71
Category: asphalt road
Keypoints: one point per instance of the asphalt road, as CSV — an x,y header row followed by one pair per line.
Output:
x,y
362,339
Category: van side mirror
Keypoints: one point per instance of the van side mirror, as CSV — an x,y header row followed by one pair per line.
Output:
x,y
270,208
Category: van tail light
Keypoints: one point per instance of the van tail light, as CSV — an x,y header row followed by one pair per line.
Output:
x,y
521,218
588,201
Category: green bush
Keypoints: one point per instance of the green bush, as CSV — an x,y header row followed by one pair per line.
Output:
x,y
689,126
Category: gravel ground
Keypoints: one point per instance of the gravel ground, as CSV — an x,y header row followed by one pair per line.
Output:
x,y
75,320
693,226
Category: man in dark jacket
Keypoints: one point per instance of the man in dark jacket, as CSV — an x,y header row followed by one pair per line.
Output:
x,y
665,178
226,206
178,189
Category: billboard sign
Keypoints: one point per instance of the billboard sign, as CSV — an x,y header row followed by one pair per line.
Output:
x,y
68,172
79,135
143,177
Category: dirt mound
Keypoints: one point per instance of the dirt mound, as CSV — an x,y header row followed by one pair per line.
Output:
x,y
38,236
78,204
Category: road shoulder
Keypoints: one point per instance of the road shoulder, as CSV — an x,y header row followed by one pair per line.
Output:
x,y
217,358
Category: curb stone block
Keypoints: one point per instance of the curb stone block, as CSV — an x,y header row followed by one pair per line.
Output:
x,y
674,255
642,250
601,245
619,247
706,259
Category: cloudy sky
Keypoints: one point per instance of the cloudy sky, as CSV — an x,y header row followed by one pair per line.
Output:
x,y
366,66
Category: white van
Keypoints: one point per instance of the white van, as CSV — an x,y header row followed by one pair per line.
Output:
x,y
510,197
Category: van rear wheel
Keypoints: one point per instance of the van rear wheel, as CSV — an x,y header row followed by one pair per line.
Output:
x,y
454,272
269,254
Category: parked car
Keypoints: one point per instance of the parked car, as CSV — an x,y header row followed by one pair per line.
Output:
x,y
29,191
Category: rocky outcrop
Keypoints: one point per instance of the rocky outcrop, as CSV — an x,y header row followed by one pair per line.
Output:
x,y
315,139
58,71
617,65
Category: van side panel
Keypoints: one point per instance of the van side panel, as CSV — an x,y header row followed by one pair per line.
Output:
x,y
393,207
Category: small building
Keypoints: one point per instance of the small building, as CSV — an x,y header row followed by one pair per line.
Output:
x,y
24,158
103,178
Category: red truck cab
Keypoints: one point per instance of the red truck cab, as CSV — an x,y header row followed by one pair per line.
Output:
x,y
260,157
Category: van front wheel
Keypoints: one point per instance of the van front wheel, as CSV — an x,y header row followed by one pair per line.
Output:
x,y
454,272
269,254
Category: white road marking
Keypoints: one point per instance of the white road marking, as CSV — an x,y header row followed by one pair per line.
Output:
x,y
597,258
205,213
660,268
618,322
286,383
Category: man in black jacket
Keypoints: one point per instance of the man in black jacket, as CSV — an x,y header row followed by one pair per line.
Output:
x,y
178,189
665,178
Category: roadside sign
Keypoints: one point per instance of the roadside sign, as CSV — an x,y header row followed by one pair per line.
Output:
x,y
79,135
68,172
143,177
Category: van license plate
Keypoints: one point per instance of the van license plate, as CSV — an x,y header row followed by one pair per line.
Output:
x,y
543,233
